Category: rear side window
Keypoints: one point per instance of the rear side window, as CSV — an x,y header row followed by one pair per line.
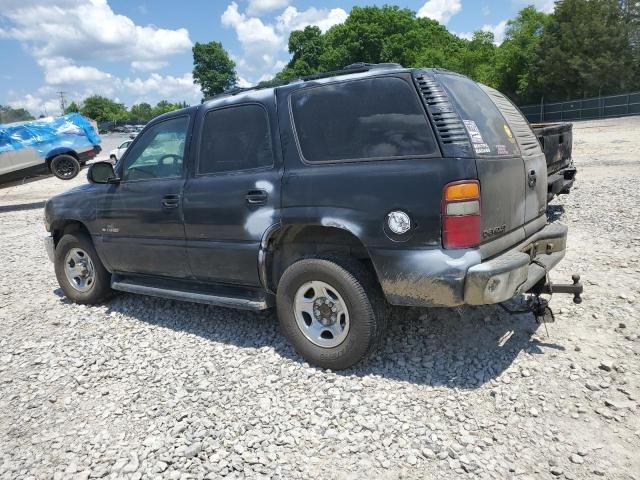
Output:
x,y
490,135
361,120
235,138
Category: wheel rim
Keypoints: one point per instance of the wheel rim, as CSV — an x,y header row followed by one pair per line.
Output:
x,y
79,269
321,314
65,167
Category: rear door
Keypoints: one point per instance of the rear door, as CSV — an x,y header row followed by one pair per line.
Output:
x,y
233,195
501,169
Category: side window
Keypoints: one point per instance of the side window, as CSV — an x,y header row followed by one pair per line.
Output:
x,y
159,153
361,119
235,138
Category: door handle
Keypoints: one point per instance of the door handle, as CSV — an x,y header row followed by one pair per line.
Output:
x,y
171,201
256,197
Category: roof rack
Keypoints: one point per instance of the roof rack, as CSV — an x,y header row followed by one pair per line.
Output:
x,y
349,69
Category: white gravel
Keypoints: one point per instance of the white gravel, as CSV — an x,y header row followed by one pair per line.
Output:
x,y
151,388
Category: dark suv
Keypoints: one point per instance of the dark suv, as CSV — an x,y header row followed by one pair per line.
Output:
x,y
329,198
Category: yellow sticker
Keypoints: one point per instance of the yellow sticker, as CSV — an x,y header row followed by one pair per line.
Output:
x,y
507,130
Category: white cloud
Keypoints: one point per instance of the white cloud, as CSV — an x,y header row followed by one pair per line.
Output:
x,y
258,7
36,105
264,45
157,87
87,29
498,31
440,10
61,71
66,38
292,19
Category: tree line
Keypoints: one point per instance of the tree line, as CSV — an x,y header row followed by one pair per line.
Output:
x,y
103,109
584,48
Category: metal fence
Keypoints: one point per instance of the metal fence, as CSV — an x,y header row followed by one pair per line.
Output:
x,y
584,109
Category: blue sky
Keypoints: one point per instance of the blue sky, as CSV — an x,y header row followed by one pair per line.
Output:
x,y
140,50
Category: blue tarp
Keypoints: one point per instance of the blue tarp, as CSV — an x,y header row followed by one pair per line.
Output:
x,y
71,131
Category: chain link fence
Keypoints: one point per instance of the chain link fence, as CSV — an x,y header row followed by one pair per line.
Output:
x,y
584,109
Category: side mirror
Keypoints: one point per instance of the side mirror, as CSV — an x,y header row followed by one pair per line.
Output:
x,y
102,172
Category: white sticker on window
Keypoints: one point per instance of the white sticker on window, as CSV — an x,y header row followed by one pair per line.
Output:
x,y
481,148
474,133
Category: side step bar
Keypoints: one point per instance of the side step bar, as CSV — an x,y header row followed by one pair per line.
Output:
x,y
229,297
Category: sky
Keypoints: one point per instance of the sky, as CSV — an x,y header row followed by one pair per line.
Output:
x,y
140,50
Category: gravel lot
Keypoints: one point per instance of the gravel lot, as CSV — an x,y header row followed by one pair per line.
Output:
x,y
150,388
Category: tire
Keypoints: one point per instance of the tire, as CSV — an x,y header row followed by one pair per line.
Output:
x,y
97,288
65,167
355,287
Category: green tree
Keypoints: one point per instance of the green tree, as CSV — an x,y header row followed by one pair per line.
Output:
x,y
476,58
10,115
213,70
584,51
516,54
164,106
102,109
142,112
73,107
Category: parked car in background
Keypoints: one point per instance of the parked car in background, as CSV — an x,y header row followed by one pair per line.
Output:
x,y
331,198
116,153
60,145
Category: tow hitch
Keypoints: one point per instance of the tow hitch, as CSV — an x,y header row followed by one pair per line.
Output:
x,y
539,306
550,288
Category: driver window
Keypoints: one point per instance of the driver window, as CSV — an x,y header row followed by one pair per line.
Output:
x,y
159,152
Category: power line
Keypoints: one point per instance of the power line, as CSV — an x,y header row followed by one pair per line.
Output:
x,y
62,102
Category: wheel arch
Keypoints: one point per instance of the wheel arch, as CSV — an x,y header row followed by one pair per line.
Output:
x,y
283,245
61,227
60,151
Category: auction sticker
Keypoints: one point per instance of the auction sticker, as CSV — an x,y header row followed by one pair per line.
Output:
x,y
502,150
474,133
481,148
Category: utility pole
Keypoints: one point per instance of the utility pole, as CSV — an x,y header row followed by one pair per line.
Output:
x,y
62,103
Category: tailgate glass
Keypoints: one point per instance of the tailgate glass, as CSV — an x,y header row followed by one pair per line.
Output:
x,y
489,133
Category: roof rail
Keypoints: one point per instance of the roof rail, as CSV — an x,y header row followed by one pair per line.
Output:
x,y
349,69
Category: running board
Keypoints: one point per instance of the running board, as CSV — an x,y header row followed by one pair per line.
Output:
x,y
222,296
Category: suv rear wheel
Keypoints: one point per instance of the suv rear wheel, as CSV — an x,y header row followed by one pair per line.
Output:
x,y
331,310
65,167
79,270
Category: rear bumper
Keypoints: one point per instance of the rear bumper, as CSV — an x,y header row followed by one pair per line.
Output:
x,y
516,270
560,182
435,277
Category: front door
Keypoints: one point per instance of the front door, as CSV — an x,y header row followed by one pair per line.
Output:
x,y
233,195
139,220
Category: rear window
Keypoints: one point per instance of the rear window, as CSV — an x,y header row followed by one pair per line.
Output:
x,y
361,120
490,135
235,138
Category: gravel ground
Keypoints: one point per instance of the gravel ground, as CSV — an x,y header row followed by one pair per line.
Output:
x,y
150,388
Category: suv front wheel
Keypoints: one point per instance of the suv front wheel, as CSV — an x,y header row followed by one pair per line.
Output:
x,y
331,311
79,270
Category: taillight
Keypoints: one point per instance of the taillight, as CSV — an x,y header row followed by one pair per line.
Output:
x,y
461,214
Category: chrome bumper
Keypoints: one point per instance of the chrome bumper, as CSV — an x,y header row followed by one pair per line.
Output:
x,y
49,246
516,270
